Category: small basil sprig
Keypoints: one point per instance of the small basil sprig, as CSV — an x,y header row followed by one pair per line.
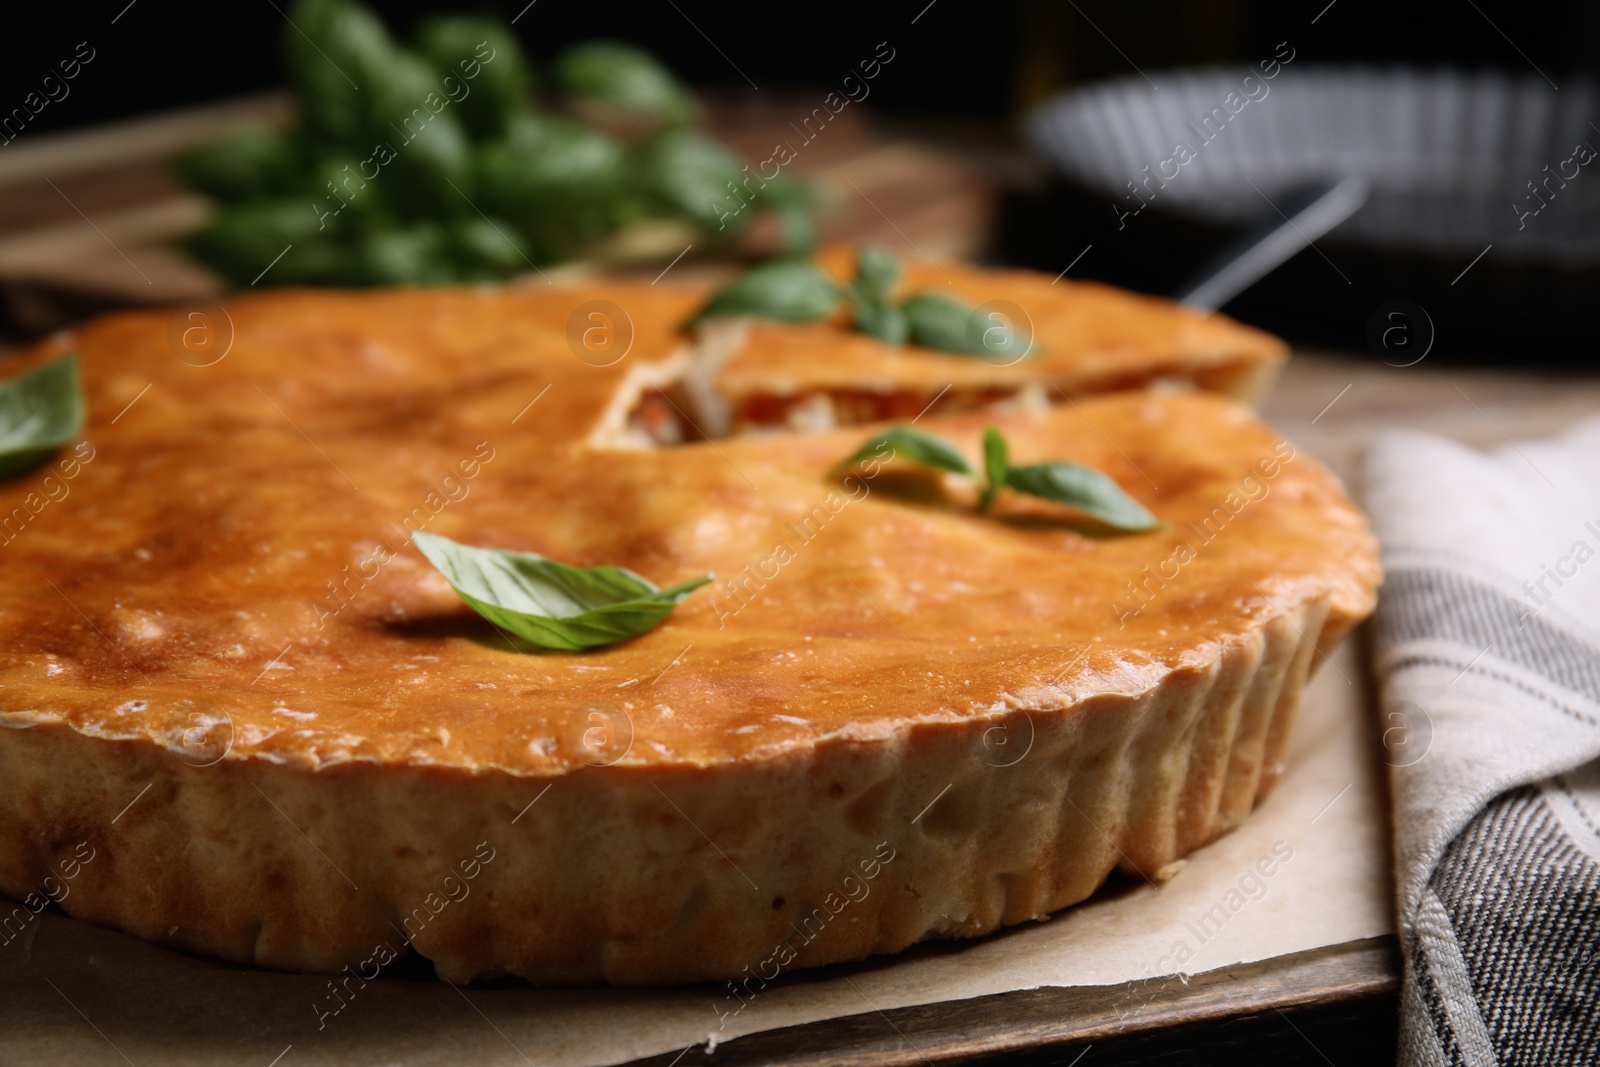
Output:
x,y
877,270
788,290
871,310
549,603
923,448
1081,488
39,412
791,291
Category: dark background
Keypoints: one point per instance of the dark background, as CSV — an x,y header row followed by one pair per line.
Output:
x,y
976,68
961,58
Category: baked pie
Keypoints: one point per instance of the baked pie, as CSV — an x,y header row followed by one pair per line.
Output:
x,y
228,677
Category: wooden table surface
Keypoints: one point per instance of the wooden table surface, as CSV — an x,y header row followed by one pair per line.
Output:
x,y
85,225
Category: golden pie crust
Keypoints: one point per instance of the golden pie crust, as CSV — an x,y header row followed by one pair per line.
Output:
x,y
289,743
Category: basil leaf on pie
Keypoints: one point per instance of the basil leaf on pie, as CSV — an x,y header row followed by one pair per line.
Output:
x,y
877,270
940,322
549,603
787,290
872,312
996,460
948,325
914,445
1085,489
995,334
879,319
39,412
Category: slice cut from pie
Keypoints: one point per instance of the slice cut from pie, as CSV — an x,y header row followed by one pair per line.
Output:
x,y
225,670
1086,338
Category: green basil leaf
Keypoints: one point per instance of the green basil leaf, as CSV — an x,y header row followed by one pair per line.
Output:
x,y
39,412
952,326
557,181
797,227
252,161
914,445
995,334
788,290
1085,489
871,310
624,77
335,53
492,246
243,238
684,172
428,162
415,255
880,319
996,460
794,202
483,53
941,323
549,603
877,269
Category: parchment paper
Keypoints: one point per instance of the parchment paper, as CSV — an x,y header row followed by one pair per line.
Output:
x,y
1309,868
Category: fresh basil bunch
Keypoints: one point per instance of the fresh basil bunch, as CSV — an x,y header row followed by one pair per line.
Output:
x,y
438,163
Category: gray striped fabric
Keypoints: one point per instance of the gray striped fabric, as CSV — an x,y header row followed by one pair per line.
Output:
x,y
1488,650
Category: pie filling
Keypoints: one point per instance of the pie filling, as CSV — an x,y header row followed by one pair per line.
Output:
x,y
689,403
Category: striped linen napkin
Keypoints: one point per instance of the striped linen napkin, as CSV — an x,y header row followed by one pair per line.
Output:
x,y
1488,650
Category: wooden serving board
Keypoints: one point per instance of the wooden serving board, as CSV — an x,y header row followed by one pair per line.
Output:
x,y
1334,1004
